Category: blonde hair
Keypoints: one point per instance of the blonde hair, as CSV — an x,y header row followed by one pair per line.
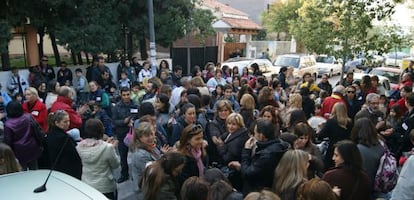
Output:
x,y
262,195
291,171
33,91
235,118
295,100
247,102
340,114
143,129
197,82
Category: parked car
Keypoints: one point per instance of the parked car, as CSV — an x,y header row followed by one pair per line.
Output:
x,y
242,62
395,59
20,185
393,74
384,81
328,65
301,64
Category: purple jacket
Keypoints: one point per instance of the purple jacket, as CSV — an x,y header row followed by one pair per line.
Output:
x,y
18,135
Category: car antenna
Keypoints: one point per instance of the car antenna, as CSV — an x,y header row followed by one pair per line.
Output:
x,y
42,188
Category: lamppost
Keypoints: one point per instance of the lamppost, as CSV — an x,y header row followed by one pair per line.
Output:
x,y
153,52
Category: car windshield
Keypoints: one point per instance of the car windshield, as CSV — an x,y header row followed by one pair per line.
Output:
x,y
394,77
287,61
323,59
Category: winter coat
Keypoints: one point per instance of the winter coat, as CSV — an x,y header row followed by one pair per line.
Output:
x,y
69,161
19,136
233,145
98,161
405,184
258,170
64,103
121,111
38,111
140,159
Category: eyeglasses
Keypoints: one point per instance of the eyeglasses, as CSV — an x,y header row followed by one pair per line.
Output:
x,y
197,128
349,92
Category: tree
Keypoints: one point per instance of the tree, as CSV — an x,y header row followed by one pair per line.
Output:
x,y
280,16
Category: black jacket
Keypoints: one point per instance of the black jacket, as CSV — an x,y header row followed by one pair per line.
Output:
x,y
69,161
233,146
119,112
258,170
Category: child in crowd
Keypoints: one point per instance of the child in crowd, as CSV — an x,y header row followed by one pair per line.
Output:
x,y
99,113
81,86
145,74
137,93
124,81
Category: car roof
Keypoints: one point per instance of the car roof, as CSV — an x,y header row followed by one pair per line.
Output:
x,y
294,55
358,76
388,69
20,185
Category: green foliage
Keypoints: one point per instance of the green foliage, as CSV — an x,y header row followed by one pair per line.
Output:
x,y
260,36
280,15
5,35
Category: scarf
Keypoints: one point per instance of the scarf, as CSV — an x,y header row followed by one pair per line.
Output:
x,y
196,153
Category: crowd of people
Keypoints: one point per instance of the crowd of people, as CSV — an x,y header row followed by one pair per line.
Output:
x,y
215,134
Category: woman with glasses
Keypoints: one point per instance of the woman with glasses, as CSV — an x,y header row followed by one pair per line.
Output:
x,y
337,128
193,147
61,147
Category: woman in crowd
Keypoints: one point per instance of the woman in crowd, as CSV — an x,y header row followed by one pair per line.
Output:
x,y
217,94
366,86
195,188
226,73
266,98
162,107
337,128
98,159
296,116
348,175
290,173
246,74
236,83
41,90
187,117
316,189
235,71
200,85
19,135
365,135
98,95
143,149
216,80
217,128
35,107
271,114
305,133
247,107
230,145
52,95
61,147
279,92
295,103
193,147
8,162
158,179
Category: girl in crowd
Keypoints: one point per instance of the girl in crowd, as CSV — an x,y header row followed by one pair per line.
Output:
x,y
348,175
217,94
52,94
158,179
295,103
98,159
61,147
187,117
35,107
162,107
19,135
8,163
226,73
247,107
246,74
200,85
304,133
143,149
266,97
290,173
337,128
235,71
193,147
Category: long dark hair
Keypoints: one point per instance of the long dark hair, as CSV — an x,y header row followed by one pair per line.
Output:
x,y
158,172
364,132
351,156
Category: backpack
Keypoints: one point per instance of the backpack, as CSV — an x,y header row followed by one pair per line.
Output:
x,y
387,172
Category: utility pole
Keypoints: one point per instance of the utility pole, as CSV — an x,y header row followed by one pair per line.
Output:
x,y
153,52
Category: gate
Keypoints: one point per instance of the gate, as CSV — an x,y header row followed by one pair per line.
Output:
x,y
198,56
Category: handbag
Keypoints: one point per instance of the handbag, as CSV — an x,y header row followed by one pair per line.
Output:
x,y
129,137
